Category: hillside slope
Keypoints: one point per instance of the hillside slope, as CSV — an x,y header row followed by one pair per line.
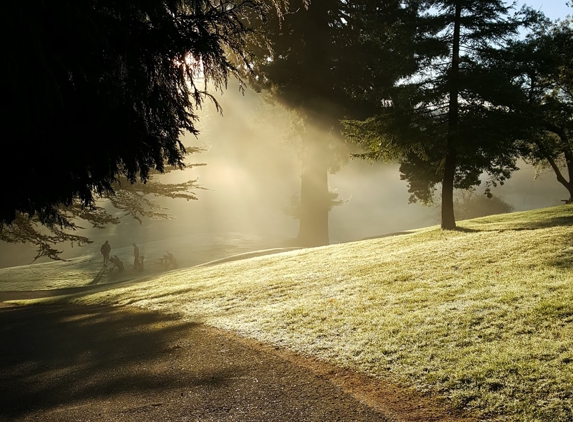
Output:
x,y
481,317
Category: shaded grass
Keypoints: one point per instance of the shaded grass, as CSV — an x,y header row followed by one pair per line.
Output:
x,y
481,317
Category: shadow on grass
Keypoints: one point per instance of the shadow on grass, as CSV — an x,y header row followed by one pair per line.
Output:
x,y
54,356
563,259
544,223
98,277
73,292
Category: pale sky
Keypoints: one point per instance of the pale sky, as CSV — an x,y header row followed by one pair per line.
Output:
x,y
553,9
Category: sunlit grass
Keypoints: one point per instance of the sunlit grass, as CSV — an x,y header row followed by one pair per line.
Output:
x,y
481,317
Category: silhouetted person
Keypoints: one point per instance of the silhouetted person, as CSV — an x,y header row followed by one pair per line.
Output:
x,y
117,262
105,250
169,260
136,257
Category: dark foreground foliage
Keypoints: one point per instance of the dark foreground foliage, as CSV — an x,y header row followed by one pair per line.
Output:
x,y
99,90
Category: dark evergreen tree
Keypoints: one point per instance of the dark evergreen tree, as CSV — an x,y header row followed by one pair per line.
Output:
x,y
102,90
318,67
444,124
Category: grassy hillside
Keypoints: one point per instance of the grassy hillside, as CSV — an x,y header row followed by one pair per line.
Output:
x,y
481,317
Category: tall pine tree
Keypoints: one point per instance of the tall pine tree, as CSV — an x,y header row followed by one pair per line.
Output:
x,y
443,123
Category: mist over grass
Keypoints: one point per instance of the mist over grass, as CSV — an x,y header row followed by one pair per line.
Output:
x,y
253,169
87,269
481,317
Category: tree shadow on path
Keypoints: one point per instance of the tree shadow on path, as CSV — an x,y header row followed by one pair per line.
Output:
x,y
54,356
70,363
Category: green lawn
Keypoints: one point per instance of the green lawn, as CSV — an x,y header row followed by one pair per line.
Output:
x,y
481,317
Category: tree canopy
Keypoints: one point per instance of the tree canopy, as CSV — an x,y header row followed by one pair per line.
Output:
x,y
444,123
133,200
321,65
539,68
102,90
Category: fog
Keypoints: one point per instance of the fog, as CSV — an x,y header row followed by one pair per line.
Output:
x,y
253,170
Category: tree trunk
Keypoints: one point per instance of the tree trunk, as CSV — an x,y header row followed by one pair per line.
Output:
x,y
570,190
569,161
448,218
568,184
314,199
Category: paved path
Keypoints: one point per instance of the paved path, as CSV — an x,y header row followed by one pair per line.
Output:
x,y
78,363
108,364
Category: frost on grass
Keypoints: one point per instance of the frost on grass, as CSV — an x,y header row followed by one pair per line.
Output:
x,y
482,317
